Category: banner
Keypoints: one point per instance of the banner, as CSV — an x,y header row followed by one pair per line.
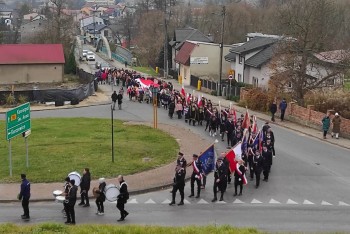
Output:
x,y
207,159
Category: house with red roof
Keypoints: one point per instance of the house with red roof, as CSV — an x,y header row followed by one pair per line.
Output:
x,y
31,63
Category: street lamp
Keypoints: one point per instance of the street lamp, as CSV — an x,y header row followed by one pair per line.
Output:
x,y
223,14
154,91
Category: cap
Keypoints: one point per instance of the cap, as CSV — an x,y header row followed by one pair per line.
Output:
x,y
67,179
101,180
181,154
195,155
336,114
72,182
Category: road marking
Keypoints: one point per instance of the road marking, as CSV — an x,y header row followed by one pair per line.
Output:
x,y
254,201
187,202
150,201
202,201
221,202
133,201
273,201
307,202
324,203
237,201
167,201
291,202
343,204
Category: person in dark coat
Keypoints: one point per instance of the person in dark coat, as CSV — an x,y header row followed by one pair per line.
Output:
x,y
220,179
179,184
196,176
273,110
120,99
326,122
101,196
114,99
85,187
239,177
267,162
270,136
24,195
258,167
122,198
71,199
171,109
283,107
336,125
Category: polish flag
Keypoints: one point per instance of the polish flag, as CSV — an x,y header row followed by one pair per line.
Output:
x,y
183,91
199,104
241,174
246,120
255,125
234,154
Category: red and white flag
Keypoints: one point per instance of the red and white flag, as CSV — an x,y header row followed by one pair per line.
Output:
x,y
196,170
241,174
183,91
255,125
246,120
234,154
199,104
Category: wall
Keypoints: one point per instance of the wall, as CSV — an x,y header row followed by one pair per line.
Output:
x,y
30,73
211,70
263,75
185,73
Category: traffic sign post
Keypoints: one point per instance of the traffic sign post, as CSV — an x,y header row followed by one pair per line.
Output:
x,y
230,77
18,122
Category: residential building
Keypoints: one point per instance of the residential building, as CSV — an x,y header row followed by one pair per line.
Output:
x,y
6,13
202,60
180,36
32,17
31,30
31,63
90,20
101,2
91,31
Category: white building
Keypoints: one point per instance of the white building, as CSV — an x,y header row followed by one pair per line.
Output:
x,y
90,20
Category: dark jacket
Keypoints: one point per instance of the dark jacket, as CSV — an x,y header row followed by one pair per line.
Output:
x,y
101,192
267,159
283,105
326,122
179,178
85,182
273,108
124,194
258,164
72,195
25,190
242,169
114,97
120,98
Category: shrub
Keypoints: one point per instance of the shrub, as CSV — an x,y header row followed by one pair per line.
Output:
x,y
214,93
22,99
233,98
10,99
256,99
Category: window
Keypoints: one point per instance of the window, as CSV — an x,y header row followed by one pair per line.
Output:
x,y
255,81
290,85
241,58
105,33
239,77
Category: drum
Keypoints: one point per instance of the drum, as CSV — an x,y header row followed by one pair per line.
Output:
x,y
75,176
57,193
60,199
111,192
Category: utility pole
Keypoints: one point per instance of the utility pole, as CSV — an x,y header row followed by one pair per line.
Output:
x,y
223,13
165,42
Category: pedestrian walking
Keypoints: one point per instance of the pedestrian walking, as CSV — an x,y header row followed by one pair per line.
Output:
x,y
326,121
85,187
258,166
267,162
120,98
273,110
71,199
100,196
336,125
179,184
196,175
220,179
114,99
283,107
239,177
122,198
24,195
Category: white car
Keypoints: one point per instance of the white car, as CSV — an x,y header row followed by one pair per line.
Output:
x,y
85,53
90,56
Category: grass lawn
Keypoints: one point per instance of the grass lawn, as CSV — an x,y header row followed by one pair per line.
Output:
x,y
147,70
58,146
347,85
129,229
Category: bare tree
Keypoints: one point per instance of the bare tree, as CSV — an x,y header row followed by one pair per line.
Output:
x,y
310,27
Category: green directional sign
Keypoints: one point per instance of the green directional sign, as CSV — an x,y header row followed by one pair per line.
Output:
x,y
18,121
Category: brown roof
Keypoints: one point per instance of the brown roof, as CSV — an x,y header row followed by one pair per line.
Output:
x,y
184,54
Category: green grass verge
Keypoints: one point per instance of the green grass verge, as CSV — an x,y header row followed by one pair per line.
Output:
x,y
58,146
148,70
129,229
347,85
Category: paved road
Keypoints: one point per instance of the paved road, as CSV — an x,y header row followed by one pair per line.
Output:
x,y
310,180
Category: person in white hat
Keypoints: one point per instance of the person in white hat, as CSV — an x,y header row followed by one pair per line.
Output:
x,y
336,121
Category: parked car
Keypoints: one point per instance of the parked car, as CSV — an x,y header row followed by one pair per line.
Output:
x,y
84,53
90,56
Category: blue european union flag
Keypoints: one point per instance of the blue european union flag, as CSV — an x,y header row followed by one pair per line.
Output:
x,y
207,159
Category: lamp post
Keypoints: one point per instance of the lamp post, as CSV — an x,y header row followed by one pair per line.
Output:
x,y
154,91
112,133
223,13
165,42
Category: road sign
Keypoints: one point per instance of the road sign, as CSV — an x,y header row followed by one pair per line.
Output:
x,y
18,121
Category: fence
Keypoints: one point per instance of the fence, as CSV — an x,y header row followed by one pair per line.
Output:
x,y
209,86
118,57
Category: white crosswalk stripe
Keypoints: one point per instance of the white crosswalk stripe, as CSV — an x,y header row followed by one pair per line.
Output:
x,y
324,203
221,202
291,202
254,201
343,204
273,201
202,201
307,202
150,201
237,201
166,201
186,202
133,201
